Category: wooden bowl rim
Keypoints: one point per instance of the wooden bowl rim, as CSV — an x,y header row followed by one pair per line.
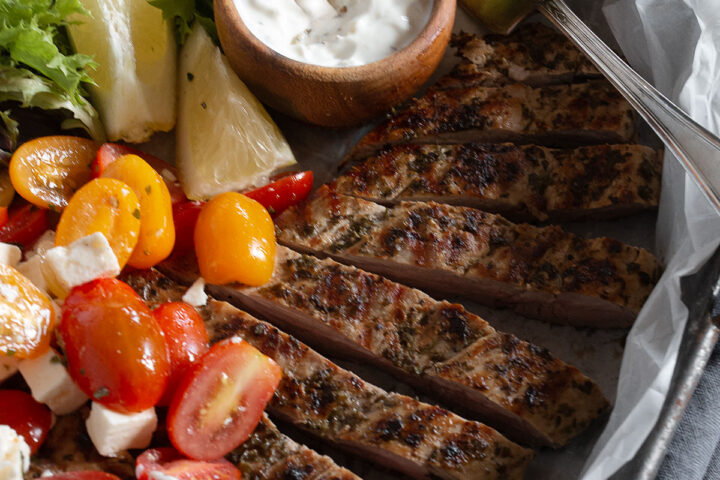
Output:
x,y
442,13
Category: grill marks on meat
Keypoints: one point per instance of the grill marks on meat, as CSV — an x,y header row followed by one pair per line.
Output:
x,y
417,439
522,182
541,272
437,346
533,54
559,115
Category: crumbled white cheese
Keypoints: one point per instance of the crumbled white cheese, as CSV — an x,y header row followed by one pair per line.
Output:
x,y
195,295
112,432
9,254
50,383
8,367
32,269
14,454
168,175
80,262
42,244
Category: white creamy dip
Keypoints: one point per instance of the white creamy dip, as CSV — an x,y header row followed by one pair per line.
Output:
x,y
335,33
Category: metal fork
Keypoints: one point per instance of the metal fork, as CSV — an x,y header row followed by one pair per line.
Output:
x,y
697,149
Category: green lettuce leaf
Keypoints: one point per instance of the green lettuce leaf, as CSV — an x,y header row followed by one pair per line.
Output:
x,y
182,13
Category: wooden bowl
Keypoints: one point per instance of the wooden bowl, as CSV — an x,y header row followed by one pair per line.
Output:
x,y
333,96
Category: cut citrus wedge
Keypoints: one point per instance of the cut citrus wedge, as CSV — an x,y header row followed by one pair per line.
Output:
x,y
225,140
136,74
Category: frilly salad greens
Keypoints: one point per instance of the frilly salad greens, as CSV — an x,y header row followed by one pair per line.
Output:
x,y
38,67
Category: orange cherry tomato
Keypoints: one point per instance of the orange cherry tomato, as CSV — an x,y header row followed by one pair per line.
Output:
x,y
46,171
220,400
157,231
107,206
235,241
185,215
283,192
171,464
115,349
24,225
26,416
109,152
27,316
186,339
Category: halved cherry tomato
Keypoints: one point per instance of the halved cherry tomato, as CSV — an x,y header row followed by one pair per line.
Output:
x,y
115,349
169,462
284,192
27,316
3,216
82,475
109,152
235,241
26,416
186,339
24,225
46,171
220,399
157,232
107,206
185,215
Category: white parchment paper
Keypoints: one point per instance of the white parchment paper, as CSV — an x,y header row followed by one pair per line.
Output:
x,y
676,45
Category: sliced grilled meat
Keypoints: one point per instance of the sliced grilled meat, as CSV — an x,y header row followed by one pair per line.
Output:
x,y
521,182
392,430
541,272
558,116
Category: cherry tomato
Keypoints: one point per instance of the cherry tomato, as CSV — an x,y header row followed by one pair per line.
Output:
x,y
109,152
157,232
82,475
27,316
3,216
115,349
284,192
46,171
185,215
7,192
170,462
186,339
24,225
220,400
26,416
235,241
107,206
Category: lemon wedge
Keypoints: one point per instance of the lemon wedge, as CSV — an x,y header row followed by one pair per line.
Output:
x,y
137,63
225,139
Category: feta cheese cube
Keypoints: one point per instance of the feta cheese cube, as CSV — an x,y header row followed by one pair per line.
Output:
x,y
32,268
9,254
80,262
50,383
112,432
14,454
195,295
8,367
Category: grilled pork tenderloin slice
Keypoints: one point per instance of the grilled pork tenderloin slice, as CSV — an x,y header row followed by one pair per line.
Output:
x,y
540,272
557,116
438,347
316,395
525,182
533,54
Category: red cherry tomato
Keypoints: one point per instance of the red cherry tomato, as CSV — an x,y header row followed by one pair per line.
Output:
x,y
82,475
284,193
24,225
116,350
186,339
27,417
109,152
185,215
169,461
220,400
3,216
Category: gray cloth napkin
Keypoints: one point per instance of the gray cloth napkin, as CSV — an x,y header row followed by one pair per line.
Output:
x,y
694,452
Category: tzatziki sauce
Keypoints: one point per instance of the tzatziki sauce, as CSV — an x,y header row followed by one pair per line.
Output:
x,y
335,33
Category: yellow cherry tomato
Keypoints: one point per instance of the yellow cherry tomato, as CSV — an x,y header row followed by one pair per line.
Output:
x,y
157,230
107,206
46,171
26,316
235,241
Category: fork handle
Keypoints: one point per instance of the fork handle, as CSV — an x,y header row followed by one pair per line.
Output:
x,y
697,149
